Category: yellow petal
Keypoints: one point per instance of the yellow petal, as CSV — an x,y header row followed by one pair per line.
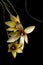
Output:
x,y
12,39
9,50
14,54
15,19
26,39
11,29
19,50
9,45
10,23
18,45
18,19
13,33
15,30
29,29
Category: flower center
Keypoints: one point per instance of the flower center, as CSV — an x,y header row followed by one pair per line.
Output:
x,y
22,32
13,47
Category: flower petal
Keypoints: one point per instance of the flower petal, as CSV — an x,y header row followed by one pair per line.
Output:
x,y
22,39
9,45
10,23
22,42
29,29
19,50
18,18
18,45
13,33
12,39
26,39
14,54
15,19
9,50
11,29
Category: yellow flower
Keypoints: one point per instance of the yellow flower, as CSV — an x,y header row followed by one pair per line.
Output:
x,y
22,34
15,48
12,23
15,19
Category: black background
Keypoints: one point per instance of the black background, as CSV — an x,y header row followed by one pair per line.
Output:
x,y
33,51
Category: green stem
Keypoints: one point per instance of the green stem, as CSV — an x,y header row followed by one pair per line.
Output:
x,y
3,11
12,7
3,15
6,7
30,14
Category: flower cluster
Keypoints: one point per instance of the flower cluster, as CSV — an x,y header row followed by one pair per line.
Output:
x,y
16,32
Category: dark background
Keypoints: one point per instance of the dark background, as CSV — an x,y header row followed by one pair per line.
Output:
x,y
33,51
